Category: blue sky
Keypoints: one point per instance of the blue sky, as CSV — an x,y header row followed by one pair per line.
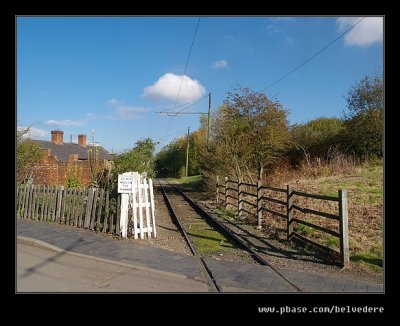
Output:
x,y
112,74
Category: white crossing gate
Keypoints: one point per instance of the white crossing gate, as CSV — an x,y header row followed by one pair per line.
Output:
x,y
139,198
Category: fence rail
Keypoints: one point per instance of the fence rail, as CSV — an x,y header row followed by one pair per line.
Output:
x,y
248,184
236,198
303,194
87,208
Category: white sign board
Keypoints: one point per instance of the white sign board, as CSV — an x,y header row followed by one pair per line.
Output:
x,y
125,183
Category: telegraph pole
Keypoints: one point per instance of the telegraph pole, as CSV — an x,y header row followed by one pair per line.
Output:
x,y
187,154
209,119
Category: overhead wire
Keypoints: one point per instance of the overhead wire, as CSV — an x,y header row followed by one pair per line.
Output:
x,y
184,72
313,56
187,61
183,104
172,135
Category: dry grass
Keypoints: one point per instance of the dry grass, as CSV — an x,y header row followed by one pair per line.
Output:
x,y
364,185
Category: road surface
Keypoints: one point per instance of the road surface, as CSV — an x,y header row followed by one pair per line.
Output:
x,y
43,270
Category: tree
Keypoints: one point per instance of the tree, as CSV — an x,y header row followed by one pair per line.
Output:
x,y
318,138
28,154
365,95
168,160
364,117
140,158
249,133
171,160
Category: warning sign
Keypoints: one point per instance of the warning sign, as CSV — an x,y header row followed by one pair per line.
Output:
x,y
125,183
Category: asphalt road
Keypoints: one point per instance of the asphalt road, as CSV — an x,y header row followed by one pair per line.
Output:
x,y
43,270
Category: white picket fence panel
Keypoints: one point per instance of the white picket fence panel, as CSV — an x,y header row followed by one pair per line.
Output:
x,y
141,201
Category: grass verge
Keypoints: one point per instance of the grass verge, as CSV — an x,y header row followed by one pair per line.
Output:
x,y
193,183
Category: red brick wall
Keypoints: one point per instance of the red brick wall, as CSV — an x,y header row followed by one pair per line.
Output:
x,y
51,171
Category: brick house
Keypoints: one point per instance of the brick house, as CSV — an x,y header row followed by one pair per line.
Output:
x,y
59,157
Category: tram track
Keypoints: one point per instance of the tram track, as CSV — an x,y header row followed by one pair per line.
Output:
x,y
174,196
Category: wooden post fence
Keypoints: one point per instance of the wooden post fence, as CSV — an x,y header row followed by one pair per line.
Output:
x,y
79,207
289,211
217,198
259,204
241,203
226,193
240,197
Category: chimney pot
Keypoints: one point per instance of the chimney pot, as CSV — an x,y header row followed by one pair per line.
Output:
x,y
82,140
57,137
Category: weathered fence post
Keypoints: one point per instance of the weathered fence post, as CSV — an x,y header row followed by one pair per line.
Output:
x,y
26,201
63,203
106,211
240,202
50,203
93,214
37,203
111,227
289,211
68,206
97,226
54,198
46,202
83,194
18,192
105,223
343,228
226,193
217,198
88,208
259,204
73,206
33,203
43,203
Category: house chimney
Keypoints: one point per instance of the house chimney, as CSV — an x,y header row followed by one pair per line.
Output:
x,y
57,137
45,152
82,140
72,157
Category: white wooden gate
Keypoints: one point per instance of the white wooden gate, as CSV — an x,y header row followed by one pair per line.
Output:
x,y
140,201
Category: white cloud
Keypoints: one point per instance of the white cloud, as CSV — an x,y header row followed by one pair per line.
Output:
x,y
167,87
129,112
113,102
34,133
279,19
220,64
73,123
124,111
66,122
90,116
369,31
274,29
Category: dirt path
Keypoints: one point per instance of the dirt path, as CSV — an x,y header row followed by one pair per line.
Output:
x,y
168,235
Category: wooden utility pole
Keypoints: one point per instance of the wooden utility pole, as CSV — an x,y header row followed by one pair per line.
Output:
x,y
187,154
209,119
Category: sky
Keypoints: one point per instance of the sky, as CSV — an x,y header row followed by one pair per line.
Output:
x,y
107,77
